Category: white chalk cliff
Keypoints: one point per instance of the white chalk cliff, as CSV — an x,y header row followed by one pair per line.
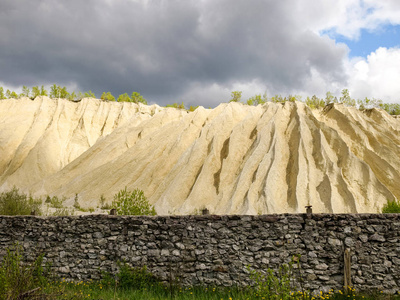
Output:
x,y
234,159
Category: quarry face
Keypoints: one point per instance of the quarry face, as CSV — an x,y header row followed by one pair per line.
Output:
x,y
233,159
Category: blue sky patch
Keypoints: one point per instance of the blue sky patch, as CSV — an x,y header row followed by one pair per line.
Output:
x,y
387,36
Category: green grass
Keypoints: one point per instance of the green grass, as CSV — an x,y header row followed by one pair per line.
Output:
x,y
391,207
96,290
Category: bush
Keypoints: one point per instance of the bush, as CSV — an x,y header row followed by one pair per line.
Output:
x,y
15,203
274,286
19,281
391,207
136,278
132,203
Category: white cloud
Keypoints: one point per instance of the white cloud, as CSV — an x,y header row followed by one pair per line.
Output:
x,y
377,76
349,17
195,51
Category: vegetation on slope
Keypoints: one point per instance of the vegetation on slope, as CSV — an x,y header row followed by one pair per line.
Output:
x,y
132,203
125,202
14,203
236,96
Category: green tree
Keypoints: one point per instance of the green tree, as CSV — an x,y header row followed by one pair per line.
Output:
x,y
35,92
132,203
391,108
236,96
43,91
107,96
25,92
278,99
256,100
89,94
54,91
346,99
11,94
124,98
329,98
294,98
63,93
315,102
176,105
136,97
72,96
2,96
193,108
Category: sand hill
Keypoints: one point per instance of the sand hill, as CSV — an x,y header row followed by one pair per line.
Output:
x,y
234,159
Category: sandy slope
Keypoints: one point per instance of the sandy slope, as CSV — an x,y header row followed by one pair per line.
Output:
x,y
231,159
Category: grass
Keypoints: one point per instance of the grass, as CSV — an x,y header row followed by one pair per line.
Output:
x,y
391,207
97,290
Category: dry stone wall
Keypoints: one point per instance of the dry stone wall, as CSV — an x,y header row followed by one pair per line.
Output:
x,y
216,250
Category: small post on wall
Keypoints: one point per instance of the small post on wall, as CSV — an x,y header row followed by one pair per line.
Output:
x,y
309,211
205,211
347,270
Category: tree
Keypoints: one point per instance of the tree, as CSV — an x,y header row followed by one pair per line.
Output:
x,y
89,94
346,99
329,98
256,100
107,96
25,92
43,91
63,93
11,94
294,98
315,102
136,97
193,108
124,98
2,96
72,96
176,105
236,96
277,99
54,91
132,203
35,92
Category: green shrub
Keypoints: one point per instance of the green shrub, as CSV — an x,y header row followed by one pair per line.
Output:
x,y
15,203
274,286
64,211
132,203
391,207
16,278
134,278
55,202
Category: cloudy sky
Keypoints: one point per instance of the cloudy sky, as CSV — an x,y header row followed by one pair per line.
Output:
x,y
198,51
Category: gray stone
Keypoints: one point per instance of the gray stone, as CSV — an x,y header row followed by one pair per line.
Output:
x,y
214,250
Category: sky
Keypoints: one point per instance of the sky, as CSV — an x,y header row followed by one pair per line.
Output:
x,y
199,51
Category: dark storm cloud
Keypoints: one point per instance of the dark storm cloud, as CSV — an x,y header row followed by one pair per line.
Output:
x,y
160,48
